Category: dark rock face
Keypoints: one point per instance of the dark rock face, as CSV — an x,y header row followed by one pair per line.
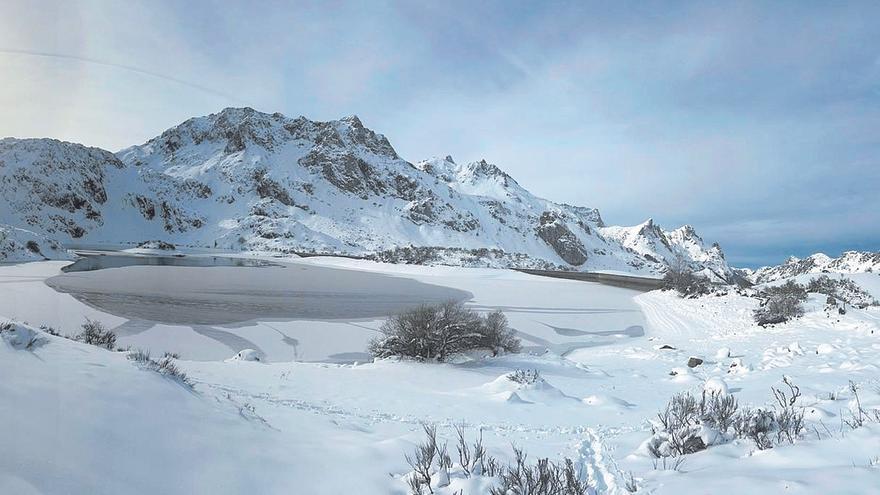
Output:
x,y
693,362
56,181
268,188
554,232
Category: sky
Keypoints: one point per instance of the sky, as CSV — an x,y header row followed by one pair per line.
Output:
x,y
757,123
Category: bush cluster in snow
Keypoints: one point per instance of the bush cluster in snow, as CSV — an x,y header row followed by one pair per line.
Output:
x,y
689,424
525,377
433,468
842,289
781,303
94,333
441,331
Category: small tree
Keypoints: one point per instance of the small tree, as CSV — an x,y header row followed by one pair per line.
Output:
x,y
440,331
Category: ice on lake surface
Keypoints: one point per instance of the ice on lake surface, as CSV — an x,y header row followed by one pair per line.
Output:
x,y
211,290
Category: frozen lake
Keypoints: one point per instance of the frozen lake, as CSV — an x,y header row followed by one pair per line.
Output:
x,y
315,309
211,290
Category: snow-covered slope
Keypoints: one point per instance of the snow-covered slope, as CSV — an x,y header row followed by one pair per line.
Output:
x,y
848,262
23,245
242,179
73,192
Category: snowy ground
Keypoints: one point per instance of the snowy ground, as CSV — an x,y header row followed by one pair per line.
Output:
x,y
81,419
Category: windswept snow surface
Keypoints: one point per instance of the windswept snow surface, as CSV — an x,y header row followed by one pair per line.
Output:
x,y
107,426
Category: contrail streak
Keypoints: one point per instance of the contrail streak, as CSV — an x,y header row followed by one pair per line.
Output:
x,y
130,68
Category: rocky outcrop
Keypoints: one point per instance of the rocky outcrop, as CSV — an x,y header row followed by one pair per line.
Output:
x,y
554,232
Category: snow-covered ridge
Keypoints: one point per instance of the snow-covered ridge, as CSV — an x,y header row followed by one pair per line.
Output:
x,y
246,180
848,262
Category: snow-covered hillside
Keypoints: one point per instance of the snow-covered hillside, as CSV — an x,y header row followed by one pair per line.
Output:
x,y
245,180
848,262
23,245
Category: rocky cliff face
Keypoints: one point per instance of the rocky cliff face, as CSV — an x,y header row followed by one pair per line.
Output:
x,y
243,179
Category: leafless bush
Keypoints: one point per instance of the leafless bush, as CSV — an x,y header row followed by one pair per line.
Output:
x,y
164,366
94,333
860,415
681,421
422,461
780,304
718,411
630,483
680,278
441,331
139,356
757,425
50,330
789,417
541,478
524,377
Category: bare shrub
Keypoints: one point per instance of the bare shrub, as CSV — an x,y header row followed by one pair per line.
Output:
x,y
441,331
50,330
164,366
682,422
860,414
94,333
780,304
680,278
757,425
544,477
789,417
718,411
139,356
524,377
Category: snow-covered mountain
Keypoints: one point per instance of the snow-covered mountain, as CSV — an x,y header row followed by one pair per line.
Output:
x,y
848,262
243,179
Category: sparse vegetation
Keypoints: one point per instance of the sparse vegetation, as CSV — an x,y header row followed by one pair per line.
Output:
x,y
524,377
683,425
164,365
842,289
441,331
430,462
94,333
780,304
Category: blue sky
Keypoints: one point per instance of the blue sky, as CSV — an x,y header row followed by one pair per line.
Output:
x,y
755,122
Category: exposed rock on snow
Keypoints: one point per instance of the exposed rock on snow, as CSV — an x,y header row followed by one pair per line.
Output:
x,y
693,362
